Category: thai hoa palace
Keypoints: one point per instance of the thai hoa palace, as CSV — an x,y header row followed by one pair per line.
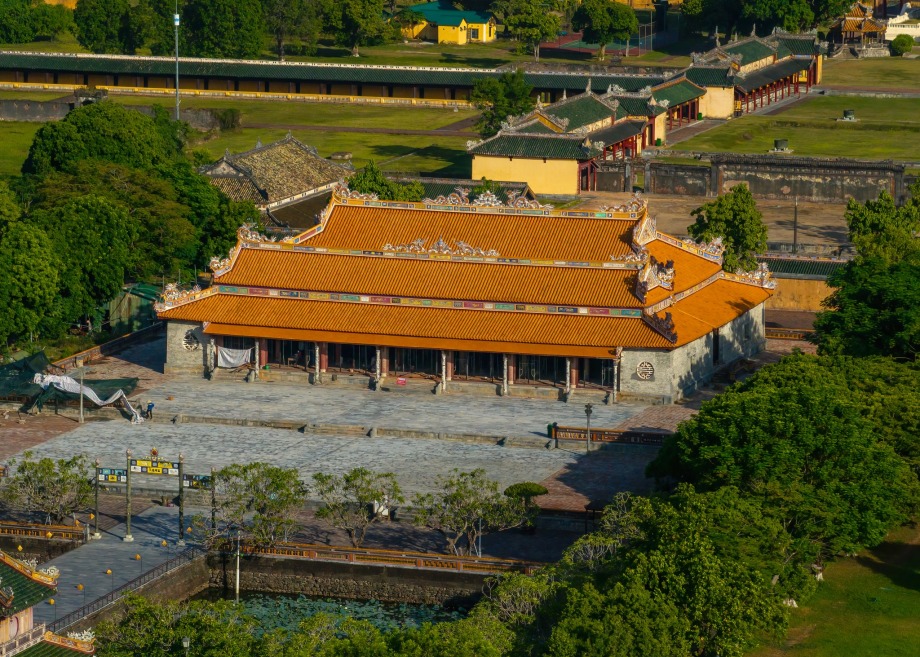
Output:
x,y
513,296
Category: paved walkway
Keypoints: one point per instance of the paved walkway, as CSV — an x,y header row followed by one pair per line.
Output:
x,y
87,564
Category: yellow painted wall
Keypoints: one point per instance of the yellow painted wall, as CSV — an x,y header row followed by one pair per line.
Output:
x,y
797,294
661,128
413,31
70,4
544,177
487,32
819,68
718,103
450,34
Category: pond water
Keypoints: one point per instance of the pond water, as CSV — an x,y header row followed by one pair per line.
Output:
x,y
286,611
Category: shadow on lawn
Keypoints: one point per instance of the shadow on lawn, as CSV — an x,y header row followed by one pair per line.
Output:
x,y
899,562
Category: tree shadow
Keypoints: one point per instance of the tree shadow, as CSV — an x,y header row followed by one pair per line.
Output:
x,y
899,562
472,62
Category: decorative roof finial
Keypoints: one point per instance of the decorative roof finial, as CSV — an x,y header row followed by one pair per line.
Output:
x,y
226,152
289,135
754,30
588,86
563,94
258,143
716,33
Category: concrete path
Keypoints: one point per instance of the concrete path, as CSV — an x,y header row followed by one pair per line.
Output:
x,y
88,563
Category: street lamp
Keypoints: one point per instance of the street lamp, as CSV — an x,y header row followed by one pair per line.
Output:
x,y
140,560
588,411
176,25
186,642
111,580
82,588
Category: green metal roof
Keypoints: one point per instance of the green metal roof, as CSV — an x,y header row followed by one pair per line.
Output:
x,y
806,267
708,76
634,106
799,46
535,127
560,147
444,13
26,591
765,76
45,649
619,132
580,111
677,93
750,51
307,71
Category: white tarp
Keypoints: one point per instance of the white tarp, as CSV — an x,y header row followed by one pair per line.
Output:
x,y
67,384
233,358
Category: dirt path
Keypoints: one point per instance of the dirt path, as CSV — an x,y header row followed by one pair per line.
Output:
x,y
442,132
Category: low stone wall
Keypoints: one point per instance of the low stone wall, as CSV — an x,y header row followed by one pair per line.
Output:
x,y
681,179
343,580
55,110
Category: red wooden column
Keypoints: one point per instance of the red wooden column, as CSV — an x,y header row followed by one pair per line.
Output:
x,y
573,373
384,361
450,365
263,352
323,356
512,369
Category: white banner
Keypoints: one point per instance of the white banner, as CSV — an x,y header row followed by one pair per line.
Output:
x,y
233,358
67,384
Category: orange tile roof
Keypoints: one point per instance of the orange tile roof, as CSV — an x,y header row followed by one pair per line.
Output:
x,y
464,330
586,239
713,306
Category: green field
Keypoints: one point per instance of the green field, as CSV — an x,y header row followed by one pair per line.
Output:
x,y
890,73
31,95
887,129
445,156
292,113
16,138
868,605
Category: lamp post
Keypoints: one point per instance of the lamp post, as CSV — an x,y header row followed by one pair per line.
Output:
x,y
82,588
588,411
138,558
186,642
176,25
236,587
111,580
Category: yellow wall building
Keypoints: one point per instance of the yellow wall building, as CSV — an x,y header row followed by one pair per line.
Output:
x,y
442,23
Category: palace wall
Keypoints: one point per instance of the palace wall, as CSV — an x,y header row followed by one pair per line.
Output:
x,y
544,176
718,103
680,179
798,294
180,359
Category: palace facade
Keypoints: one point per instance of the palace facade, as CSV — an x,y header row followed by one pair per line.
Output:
x,y
513,295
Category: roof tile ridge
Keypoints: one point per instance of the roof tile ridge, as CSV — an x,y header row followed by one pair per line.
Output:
x,y
33,574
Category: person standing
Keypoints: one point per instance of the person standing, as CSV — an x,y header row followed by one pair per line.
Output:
x,y
150,406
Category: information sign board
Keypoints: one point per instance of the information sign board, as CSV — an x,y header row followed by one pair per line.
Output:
x,y
201,482
148,466
112,475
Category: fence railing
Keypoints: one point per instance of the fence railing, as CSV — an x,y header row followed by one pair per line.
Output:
x,y
788,334
183,558
608,435
404,559
22,642
31,530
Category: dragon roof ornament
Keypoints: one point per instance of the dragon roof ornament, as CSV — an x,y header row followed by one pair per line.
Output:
x,y
654,274
761,277
440,247
172,296
663,325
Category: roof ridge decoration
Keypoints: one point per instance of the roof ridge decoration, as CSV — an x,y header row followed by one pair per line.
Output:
x,y
173,296
441,247
47,576
654,274
760,277
77,645
663,325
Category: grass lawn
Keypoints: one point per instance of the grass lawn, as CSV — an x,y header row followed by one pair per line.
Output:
x,y
868,605
445,156
891,73
66,42
18,94
16,138
887,129
284,113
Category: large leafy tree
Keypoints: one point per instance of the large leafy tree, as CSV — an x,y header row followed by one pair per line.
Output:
x,y
224,28
259,500
16,24
107,26
285,19
531,23
57,489
499,98
103,131
29,284
602,21
882,229
370,180
467,506
356,499
92,237
805,448
51,20
735,218
357,23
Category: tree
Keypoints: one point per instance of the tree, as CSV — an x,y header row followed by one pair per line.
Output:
x,y
92,237
57,489
357,23
160,29
356,500
901,45
499,98
259,499
735,218
602,21
290,18
531,23
806,449
104,26
51,20
873,310
16,24
882,229
9,207
467,506
524,493
29,284
790,15
224,28
103,131
370,180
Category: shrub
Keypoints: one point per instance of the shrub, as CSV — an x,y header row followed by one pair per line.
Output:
x,y
902,45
